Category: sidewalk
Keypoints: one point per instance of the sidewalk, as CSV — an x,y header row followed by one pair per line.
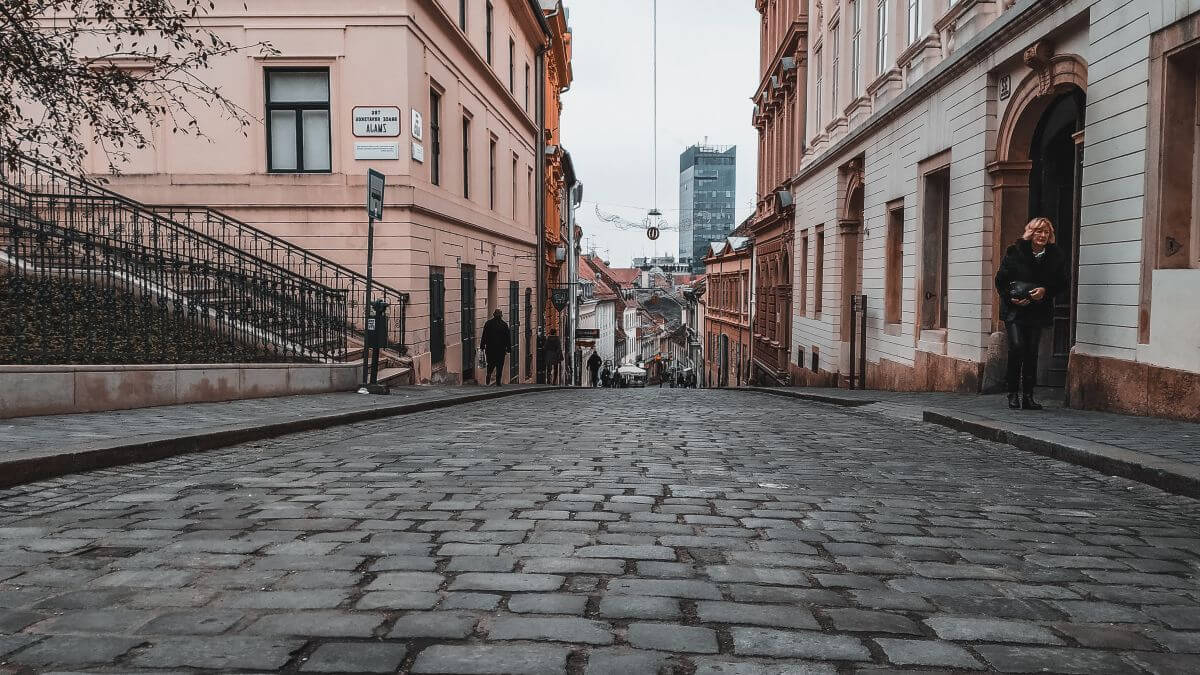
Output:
x,y
33,448
1160,452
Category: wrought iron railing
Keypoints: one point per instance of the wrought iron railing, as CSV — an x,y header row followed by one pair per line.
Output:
x,y
92,279
37,177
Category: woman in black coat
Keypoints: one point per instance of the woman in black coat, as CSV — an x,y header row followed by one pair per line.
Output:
x,y
1033,271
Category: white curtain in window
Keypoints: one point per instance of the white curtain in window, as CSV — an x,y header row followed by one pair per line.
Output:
x,y
283,140
287,87
316,140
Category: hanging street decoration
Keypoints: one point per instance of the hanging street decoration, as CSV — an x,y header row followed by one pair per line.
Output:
x,y
652,232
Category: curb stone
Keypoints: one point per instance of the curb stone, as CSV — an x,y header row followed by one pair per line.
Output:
x,y
42,464
1178,478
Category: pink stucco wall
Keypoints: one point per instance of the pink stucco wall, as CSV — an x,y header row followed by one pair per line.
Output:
x,y
378,54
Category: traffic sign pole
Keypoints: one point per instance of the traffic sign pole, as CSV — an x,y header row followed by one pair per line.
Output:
x,y
375,183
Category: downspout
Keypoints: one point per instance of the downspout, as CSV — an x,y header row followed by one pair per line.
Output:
x,y
540,219
750,298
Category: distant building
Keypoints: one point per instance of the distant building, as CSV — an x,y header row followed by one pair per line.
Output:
x,y
707,200
727,302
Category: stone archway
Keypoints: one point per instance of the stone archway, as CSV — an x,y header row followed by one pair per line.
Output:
x,y
850,226
1054,77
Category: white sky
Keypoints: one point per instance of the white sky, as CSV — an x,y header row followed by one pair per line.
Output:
x,y
707,72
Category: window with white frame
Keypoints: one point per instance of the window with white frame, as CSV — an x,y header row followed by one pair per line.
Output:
x,y
855,47
835,58
914,20
817,87
881,35
298,134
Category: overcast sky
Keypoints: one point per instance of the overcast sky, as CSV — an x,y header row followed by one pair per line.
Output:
x,y
707,72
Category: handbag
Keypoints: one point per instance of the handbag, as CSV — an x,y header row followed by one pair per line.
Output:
x,y
1020,290
482,359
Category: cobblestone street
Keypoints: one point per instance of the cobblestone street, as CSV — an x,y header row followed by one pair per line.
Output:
x,y
602,531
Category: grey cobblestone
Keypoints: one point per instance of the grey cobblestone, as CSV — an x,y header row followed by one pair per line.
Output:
x,y
466,543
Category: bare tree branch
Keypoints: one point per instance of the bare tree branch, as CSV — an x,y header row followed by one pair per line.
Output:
x,y
105,73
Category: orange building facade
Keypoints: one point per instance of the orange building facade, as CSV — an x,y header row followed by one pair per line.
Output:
x,y
726,336
778,114
558,80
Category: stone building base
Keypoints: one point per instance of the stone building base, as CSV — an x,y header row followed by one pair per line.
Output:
x,y
1098,383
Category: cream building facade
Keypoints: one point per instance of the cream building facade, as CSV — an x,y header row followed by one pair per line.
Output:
x,y
935,129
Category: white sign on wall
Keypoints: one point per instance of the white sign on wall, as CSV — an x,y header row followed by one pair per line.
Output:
x,y
418,126
376,151
418,152
376,121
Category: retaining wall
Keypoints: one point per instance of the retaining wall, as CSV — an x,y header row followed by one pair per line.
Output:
x,y
59,389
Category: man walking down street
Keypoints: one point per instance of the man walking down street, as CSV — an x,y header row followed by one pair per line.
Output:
x,y
593,363
495,345
553,356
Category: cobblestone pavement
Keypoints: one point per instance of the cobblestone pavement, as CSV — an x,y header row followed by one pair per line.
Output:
x,y
51,431
1170,439
627,531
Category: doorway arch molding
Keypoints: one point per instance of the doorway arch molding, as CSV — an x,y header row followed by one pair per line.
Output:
x,y
1052,75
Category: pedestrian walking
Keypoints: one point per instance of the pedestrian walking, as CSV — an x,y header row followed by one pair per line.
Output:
x,y
605,377
553,356
1033,271
495,345
593,363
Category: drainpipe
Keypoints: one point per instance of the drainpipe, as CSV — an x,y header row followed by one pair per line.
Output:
x,y
540,219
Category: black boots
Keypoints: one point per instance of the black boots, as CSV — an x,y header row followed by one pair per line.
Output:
x,y
1023,402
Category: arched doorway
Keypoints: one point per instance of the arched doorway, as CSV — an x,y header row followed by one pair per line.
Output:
x,y
1038,172
1054,181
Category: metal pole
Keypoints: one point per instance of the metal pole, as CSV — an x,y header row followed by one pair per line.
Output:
x,y
367,299
862,343
853,333
540,219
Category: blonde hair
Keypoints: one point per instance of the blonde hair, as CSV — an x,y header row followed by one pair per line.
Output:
x,y
1036,224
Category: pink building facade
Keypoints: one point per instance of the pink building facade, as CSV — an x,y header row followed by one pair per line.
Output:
x,y
441,96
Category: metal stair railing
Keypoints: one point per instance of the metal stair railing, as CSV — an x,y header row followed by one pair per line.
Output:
x,y
38,177
76,265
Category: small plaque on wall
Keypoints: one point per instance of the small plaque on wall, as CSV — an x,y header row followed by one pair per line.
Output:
x,y
376,151
418,152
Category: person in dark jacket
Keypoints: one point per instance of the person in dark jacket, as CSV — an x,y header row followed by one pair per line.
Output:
x,y
554,356
1033,271
593,363
495,344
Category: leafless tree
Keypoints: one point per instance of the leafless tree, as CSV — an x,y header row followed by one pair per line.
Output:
x,y
107,72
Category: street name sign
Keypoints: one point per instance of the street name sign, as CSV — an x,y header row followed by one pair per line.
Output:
x,y
376,121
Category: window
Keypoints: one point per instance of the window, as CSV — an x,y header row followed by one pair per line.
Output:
x,y
894,264
855,46
817,93
435,137
528,192
935,249
298,137
512,66
835,56
526,86
881,34
492,174
491,29
462,15
804,274
514,187
914,20
466,156
819,271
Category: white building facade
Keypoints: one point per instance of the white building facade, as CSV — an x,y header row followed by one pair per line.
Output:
x,y
934,130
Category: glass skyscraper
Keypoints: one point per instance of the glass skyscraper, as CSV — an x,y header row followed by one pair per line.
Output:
x,y
707,199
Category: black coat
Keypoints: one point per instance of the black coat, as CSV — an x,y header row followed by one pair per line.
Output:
x,y
594,362
496,338
1050,272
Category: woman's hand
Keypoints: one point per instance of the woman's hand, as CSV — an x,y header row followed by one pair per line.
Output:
x,y
1037,294
1020,301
